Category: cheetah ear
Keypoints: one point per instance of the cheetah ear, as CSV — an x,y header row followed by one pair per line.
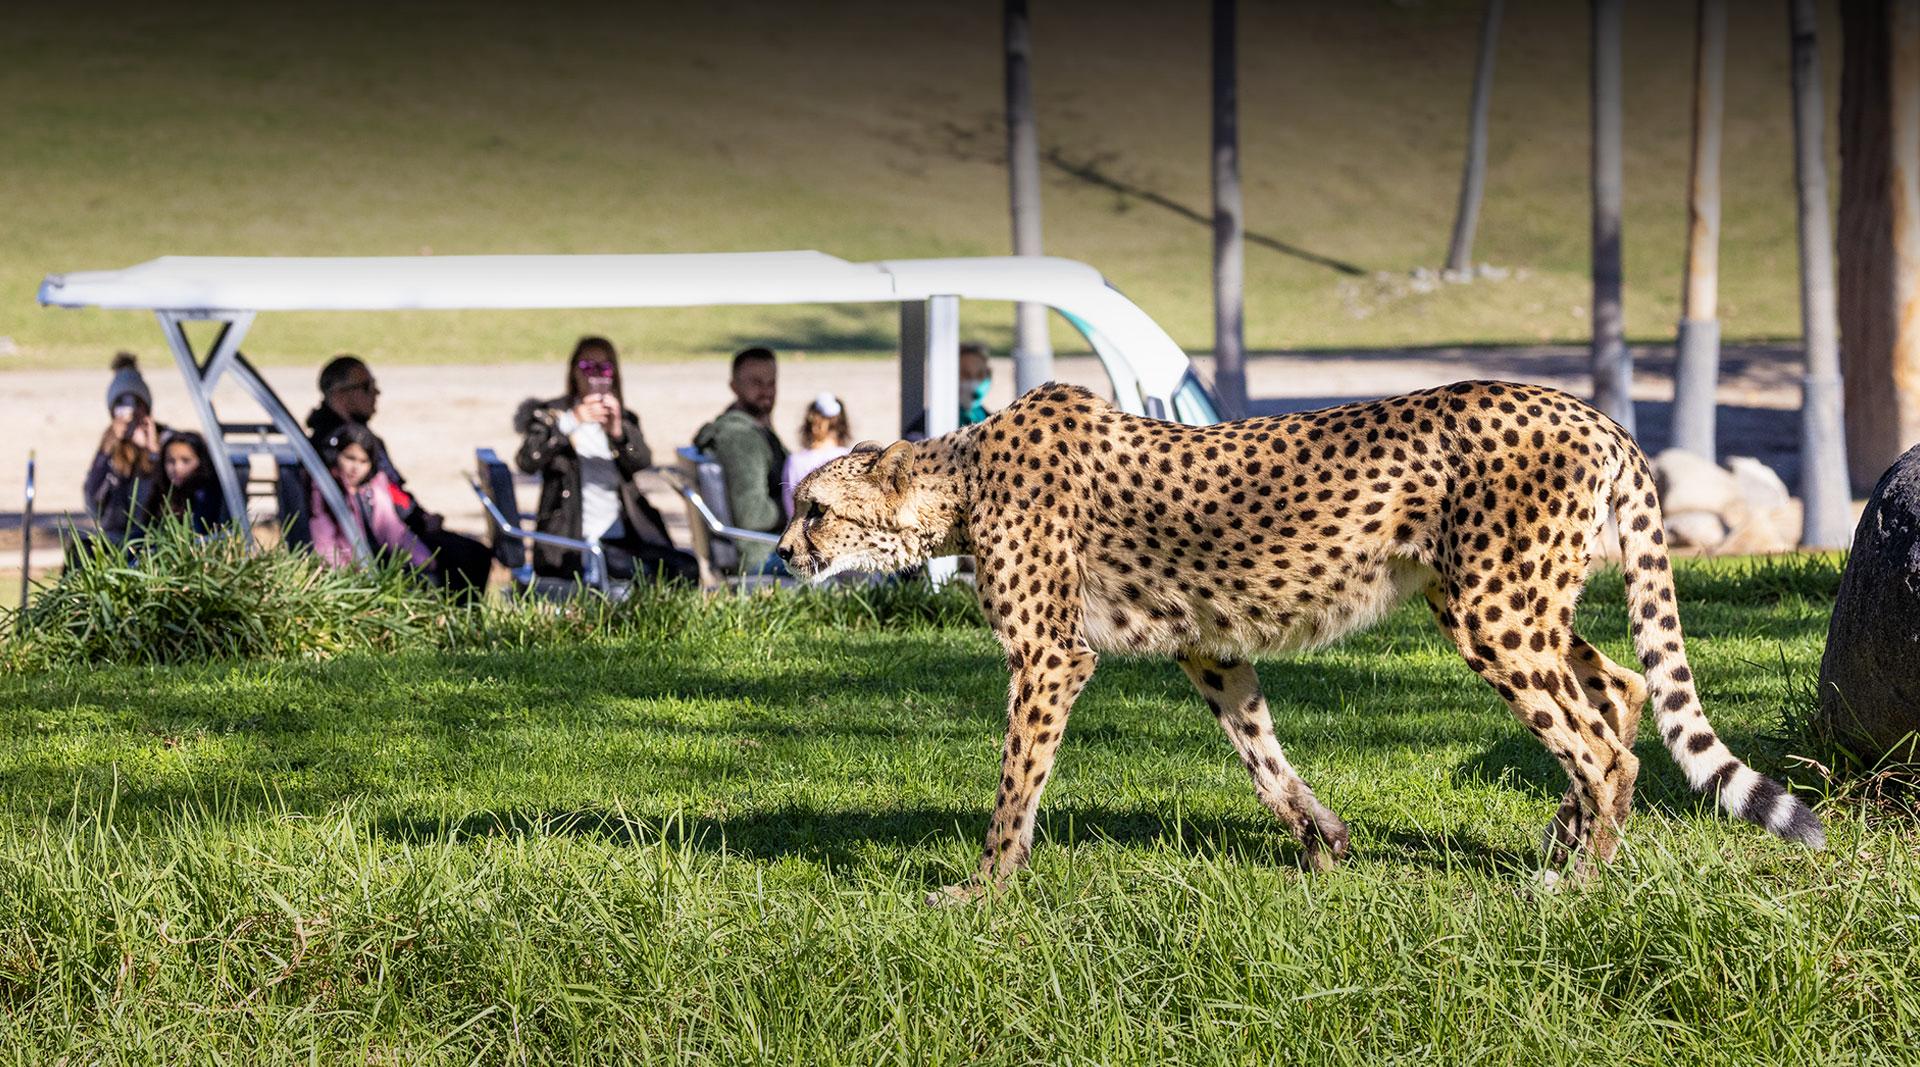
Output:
x,y
866,446
894,468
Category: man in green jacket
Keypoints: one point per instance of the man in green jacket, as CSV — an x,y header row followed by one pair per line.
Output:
x,y
743,441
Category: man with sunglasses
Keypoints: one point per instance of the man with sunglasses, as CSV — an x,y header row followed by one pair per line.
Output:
x,y
348,393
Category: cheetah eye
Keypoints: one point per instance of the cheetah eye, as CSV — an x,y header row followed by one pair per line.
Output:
x,y
814,511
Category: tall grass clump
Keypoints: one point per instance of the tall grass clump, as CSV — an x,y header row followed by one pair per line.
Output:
x,y
170,596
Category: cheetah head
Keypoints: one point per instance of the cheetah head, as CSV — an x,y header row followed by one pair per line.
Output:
x,y
861,512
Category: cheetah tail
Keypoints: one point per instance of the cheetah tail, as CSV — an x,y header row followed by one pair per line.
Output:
x,y
1708,764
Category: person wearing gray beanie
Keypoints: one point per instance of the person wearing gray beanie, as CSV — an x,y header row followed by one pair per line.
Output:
x,y
125,473
128,383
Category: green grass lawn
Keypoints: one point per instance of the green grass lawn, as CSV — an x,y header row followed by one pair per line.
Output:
x,y
710,841
868,130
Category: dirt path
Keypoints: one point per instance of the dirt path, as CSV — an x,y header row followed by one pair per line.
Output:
x,y
434,417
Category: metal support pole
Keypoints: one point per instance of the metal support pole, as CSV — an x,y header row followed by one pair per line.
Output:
x,y
26,534
172,324
1032,347
943,393
1696,372
1825,493
1229,222
913,365
289,427
1612,365
1473,177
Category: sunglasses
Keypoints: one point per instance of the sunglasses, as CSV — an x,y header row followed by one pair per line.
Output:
x,y
596,368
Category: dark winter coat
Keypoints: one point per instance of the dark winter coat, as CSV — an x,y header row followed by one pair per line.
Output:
x,y
545,451
201,503
118,501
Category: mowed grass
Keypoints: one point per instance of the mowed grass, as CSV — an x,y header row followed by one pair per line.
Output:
x,y
870,130
710,843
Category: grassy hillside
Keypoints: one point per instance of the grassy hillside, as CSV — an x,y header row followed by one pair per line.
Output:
x,y
865,130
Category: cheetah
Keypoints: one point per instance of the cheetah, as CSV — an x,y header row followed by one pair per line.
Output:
x,y
1097,531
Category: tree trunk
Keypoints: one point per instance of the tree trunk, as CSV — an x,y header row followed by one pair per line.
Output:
x,y
1612,370
1824,492
1032,349
1696,374
1474,179
1880,231
1229,226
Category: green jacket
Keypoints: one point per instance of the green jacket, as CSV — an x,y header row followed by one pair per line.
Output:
x,y
753,459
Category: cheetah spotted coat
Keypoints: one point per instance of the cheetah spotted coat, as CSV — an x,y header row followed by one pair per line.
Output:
x,y
1097,531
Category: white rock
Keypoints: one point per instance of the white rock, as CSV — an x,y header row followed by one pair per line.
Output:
x,y
1693,483
1695,529
1760,487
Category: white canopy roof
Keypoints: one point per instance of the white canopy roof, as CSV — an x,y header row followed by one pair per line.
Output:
x,y
388,283
224,284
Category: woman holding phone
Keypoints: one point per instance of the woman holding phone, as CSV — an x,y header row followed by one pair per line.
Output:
x,y
587,447
125,476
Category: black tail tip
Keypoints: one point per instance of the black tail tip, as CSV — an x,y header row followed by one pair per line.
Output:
x,y
1803,825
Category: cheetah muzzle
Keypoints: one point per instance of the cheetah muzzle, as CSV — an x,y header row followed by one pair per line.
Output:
x,y
1094,530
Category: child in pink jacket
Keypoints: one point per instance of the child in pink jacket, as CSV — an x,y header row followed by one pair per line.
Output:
x,y
384,511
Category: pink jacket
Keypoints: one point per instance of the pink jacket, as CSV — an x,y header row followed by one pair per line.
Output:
x,y
380,506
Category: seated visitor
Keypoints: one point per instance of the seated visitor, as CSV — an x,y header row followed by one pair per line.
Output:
x,y
976,377
824,435
348,394
742,440
189,489
587,447
386,515
124,476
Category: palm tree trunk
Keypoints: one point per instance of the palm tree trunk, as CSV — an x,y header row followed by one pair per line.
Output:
x,y
1032,349
1473,179
1880,231
1824,492
1612,369
1229,225
1696,372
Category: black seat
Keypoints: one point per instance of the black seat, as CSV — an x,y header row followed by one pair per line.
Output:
x,y
291,491
493,484
702,483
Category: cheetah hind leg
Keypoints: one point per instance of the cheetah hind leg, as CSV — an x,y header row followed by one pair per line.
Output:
x,y
1232,691
1619,695
1537,681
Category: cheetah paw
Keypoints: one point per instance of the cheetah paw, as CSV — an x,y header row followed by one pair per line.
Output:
x,y
948,896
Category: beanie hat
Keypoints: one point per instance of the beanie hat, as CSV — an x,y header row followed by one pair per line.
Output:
x,y
127,382
827,405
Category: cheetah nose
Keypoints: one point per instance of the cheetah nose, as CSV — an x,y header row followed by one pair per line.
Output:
x,y
784,552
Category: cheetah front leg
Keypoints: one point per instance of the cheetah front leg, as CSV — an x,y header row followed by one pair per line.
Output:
x,y
1046,681
1232,691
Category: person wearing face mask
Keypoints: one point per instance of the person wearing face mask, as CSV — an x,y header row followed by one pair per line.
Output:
x,y
742,440
976,377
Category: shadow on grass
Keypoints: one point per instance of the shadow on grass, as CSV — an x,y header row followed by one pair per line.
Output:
x,y
304,737
845,838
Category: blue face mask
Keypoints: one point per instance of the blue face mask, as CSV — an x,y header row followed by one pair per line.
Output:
x,y
976,403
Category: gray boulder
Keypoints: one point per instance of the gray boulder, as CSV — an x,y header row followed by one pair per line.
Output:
x,y
1870,674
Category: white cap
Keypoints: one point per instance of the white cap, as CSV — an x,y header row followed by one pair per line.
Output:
x,y
827,404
